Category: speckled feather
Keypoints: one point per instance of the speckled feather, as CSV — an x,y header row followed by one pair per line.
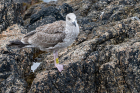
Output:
x,y
46,35
53,36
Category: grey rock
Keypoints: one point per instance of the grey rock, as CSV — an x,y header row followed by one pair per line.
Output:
x,y
59,83
11,77
34,9
46,12
22,1
46,20
10,14
104,57
85,6
13,84
14,63
65,9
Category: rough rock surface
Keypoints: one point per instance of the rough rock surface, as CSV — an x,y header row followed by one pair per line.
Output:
x,y
65,9
14,64
22,1
8,10
104,58
44,13
46,20
34,9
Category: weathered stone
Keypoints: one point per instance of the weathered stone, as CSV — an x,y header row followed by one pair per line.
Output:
x,y
99,55
10,14
11,74
104,57
11,33
46,20
46,12
34,9
53,81
22,1
65,9
14,64
119,74
85,7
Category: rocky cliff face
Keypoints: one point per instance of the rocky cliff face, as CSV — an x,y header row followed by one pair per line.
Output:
x,y
104,58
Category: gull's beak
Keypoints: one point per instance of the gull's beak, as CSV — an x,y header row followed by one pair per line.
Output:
x,y
74,23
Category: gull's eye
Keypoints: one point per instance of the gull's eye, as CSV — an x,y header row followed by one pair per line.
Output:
x,y
68,18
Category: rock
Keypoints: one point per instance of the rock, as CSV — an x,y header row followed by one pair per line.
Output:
x,y
122,64
44,16
95,11
115,61
34,9
97,56
71,2
119,14
75,82
10,14
11,82
84,7
35,1
13,32
80,7
104,57
83,20
46,20
46,12
14,63
69,80
22,1
65,9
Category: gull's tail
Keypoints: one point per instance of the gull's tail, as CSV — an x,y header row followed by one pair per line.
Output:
x,y
17,43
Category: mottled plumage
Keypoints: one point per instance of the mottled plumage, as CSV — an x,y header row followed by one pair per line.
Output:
x,y
46,36
51,37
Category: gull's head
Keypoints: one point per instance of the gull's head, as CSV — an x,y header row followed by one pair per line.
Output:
x,y
71,19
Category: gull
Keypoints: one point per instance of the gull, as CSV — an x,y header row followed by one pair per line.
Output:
x,y
51,37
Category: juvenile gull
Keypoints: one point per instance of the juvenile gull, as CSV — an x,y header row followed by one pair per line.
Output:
x,y
51,37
